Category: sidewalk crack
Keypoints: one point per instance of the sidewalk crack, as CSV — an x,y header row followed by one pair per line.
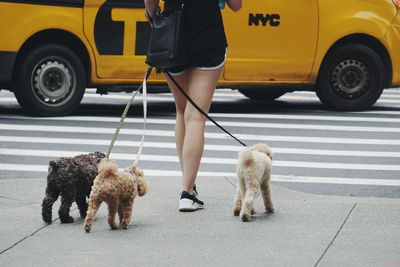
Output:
x,y
32,234
229,181
336,235
17,199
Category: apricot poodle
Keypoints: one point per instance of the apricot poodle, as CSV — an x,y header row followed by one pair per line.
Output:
x,y
118,189
253,173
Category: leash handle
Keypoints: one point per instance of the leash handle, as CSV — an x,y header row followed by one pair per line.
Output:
x,y
200,110
139,153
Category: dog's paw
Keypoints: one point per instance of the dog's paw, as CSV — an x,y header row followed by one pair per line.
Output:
x,y
87,228
270,210
47,219
236,212
253,211
124,225
245,217
113,226
68,219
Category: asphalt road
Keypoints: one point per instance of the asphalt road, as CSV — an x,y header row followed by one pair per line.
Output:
x,y
316,150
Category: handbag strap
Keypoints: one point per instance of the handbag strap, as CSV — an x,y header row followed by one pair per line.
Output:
x,y
200,110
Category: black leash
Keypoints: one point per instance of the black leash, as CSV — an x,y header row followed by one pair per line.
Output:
x,y
200,110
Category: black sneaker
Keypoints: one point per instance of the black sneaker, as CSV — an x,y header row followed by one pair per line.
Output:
x,y
189,203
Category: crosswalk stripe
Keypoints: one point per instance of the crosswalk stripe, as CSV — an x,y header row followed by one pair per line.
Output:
x,y
211,160
243,124
304,117
220,95
139,98
275,178
257,138
208,147
221,115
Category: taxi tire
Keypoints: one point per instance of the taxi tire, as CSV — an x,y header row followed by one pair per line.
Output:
x,y
60,58
374,69
262,94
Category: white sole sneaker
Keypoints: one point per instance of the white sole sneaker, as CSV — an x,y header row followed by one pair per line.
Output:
x,y
188,205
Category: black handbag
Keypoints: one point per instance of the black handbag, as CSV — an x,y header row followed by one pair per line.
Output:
x,y
167,46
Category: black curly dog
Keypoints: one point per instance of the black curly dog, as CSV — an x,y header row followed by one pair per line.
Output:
x,y
72,178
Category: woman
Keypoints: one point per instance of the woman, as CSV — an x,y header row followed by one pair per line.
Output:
x,y
206,48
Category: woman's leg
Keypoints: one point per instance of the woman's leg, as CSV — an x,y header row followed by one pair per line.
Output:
x,y
201,89
180,105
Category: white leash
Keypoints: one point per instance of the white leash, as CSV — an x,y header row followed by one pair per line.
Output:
x,y
139,153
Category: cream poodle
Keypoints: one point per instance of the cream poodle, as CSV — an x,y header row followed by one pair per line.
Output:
x,y
118,189
253,172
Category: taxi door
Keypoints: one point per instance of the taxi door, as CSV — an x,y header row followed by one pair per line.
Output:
x,y
118,33
271,40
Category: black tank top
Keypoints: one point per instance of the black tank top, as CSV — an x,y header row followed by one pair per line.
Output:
x,y
204,27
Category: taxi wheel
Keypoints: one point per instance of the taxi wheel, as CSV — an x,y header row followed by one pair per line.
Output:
x,y
351,78
262,94
51,81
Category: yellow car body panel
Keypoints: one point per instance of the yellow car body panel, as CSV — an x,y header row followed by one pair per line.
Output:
x,y
270,43
368,17
274,50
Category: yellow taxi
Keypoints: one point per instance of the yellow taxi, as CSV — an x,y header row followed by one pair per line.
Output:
x,y
345,50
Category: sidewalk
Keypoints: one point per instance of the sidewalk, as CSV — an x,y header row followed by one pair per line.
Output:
x,y
306,230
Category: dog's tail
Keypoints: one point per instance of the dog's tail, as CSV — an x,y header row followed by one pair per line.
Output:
x,y
246,158
107,168
53,166
53,163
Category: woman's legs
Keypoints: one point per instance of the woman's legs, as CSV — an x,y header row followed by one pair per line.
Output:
x,y
189,131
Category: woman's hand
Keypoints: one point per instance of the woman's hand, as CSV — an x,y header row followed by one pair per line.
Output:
x,y
235,5
151,7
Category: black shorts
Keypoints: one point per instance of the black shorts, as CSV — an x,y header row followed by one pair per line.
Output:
x,y
210,59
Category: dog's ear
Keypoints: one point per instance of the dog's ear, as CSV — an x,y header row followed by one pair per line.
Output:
x,y
142,186
53,163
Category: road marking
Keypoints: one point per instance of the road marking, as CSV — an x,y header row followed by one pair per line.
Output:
x,y
208,147
257,138
209,160
275,178
218,115
341,128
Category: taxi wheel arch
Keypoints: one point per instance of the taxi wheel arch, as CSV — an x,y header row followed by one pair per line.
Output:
x,y
352,77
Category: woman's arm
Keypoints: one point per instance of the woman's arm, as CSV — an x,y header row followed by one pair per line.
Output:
x,y
151,6
235,5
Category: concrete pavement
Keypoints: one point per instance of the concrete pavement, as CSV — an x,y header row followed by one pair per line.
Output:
x,y
306,230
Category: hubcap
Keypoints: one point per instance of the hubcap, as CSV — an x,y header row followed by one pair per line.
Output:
x,y
53,82
350,79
